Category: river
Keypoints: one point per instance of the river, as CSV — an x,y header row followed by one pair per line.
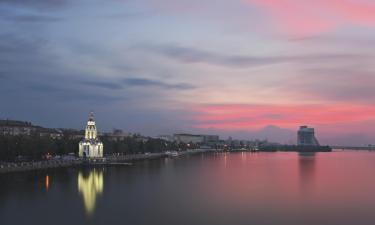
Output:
x,y
217,188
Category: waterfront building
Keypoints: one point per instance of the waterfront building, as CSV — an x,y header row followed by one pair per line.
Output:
x,y
306,137
91,146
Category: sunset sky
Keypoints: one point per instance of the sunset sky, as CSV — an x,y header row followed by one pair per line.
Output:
x,y
240,68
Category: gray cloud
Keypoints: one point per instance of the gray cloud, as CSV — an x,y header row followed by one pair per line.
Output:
x,y
3,75
155,83
335,40
42,76
11,43
119,84
345,84
192,55
103,84
38,4
54,89
30,11
30,18
128,15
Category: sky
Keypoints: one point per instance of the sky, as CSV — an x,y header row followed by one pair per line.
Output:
x,y
242,68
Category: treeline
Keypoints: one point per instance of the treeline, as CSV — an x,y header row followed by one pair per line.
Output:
x,y
134,145
24,148
34,147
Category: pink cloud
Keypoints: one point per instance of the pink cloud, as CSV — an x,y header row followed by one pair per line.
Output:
x,y
240,117
299,17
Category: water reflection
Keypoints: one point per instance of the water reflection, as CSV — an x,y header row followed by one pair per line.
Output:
x,y
47,182
307,163
256,188
90,187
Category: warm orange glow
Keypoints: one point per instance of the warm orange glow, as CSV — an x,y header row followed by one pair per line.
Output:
x,y
47,182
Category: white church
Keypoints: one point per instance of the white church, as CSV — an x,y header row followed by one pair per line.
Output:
x,y
91,146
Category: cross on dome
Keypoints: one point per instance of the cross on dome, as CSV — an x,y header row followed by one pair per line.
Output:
x,y
91,116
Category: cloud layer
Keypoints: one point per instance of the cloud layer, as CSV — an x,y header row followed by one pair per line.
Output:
x,y
291,116
305,17
161,66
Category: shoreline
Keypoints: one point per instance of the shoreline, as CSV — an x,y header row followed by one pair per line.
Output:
x,y
120,160
107,161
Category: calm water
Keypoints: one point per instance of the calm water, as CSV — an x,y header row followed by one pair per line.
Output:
x,y
237,188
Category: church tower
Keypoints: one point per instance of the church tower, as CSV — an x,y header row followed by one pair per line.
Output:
x,y
91,146
91,132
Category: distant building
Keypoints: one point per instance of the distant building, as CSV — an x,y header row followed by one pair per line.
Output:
x,y
142,139
165,137
91,146
17,128
21,128
210,138
188,138
306,137
51,133
73,134
117,135
195,138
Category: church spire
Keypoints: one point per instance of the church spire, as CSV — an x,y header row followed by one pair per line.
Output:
x,y
91,116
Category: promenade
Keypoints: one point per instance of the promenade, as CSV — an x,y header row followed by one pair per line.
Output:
x,y
7,167
38,165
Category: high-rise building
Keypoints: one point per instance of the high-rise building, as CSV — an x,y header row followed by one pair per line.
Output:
x,y
306,136
91,146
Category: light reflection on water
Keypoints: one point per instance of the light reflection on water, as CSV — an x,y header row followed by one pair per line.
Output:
x,y
47,182
307,164
90,187
224,188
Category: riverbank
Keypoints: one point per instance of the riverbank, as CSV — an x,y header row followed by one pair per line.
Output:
x,y
294,148
113,160
122,160
39,165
